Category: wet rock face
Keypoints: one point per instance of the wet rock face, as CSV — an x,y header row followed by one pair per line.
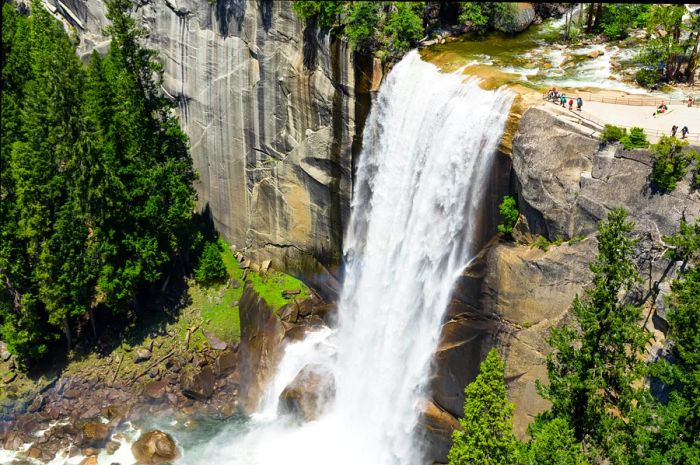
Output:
x,y
155,447
309,394
269,107
262,334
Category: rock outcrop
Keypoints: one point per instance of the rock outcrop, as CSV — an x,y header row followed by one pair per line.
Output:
x,y
569,182
270,107
309,393
262,335
512,294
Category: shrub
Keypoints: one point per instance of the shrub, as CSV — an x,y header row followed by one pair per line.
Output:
x,y
509,211
362,20
612,133
472,13
325,12
636,139
669,163
211,266
648,77
404,26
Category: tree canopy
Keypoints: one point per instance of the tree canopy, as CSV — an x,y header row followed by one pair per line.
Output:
x,y
96,181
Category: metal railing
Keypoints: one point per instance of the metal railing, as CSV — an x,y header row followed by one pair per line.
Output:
x,y
635,101
691,136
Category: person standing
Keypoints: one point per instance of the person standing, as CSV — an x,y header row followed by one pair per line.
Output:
x,y
684,132
562,100
579,103
571,104
674,129
691,100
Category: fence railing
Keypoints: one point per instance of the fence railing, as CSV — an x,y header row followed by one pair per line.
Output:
x,y
636,101
691,136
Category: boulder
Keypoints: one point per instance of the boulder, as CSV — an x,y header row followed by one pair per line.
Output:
x,y
155,390
142,355
226,362
92,434
197,383
523,17
309,394
155,447
4,353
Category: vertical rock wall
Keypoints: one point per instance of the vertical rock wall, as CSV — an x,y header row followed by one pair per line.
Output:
x,y
269,106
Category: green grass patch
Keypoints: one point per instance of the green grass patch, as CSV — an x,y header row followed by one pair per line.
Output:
x,y
218,303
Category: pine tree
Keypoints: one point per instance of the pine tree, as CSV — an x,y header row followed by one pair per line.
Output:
x,y
598,361
552,443
676,436
487,430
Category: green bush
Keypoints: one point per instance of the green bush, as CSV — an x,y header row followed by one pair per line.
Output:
x,y
612,133
619,18
472,14
361,22
211,267
404,26
325,12
509,211
636,139
647,77
669,163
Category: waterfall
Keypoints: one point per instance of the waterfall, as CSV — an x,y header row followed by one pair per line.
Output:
x,y
429,146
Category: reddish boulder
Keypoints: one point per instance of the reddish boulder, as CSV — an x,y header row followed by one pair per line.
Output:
x,y
155,447
309,394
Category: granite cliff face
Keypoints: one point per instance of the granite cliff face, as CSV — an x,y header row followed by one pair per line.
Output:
x,y
512,294
270,107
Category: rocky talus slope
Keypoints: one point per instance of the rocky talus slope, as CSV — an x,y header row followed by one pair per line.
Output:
x,y
273,110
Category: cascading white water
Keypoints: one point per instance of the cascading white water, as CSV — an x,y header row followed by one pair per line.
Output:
x,y
428,150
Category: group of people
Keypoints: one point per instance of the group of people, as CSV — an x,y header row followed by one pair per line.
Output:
x,y
554,96
684,131
663,108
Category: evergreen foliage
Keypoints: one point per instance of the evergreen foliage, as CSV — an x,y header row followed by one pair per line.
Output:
x,y
635,139
487,436
388,26
509,211
96,182
618,18
595,369
612,133
552,443
211,266
670,162
482,16
676,437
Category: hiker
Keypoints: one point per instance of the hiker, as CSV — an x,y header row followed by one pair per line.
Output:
x,y
684,132
673,130
571,104
691,100
562,100
579,103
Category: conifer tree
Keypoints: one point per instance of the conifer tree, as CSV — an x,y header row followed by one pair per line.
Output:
x,y
552,443
676,435
487,430
596,369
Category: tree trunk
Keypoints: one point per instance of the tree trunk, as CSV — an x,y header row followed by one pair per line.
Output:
x,y
598,14
67,332
589,21
693,63
91,316
580,16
